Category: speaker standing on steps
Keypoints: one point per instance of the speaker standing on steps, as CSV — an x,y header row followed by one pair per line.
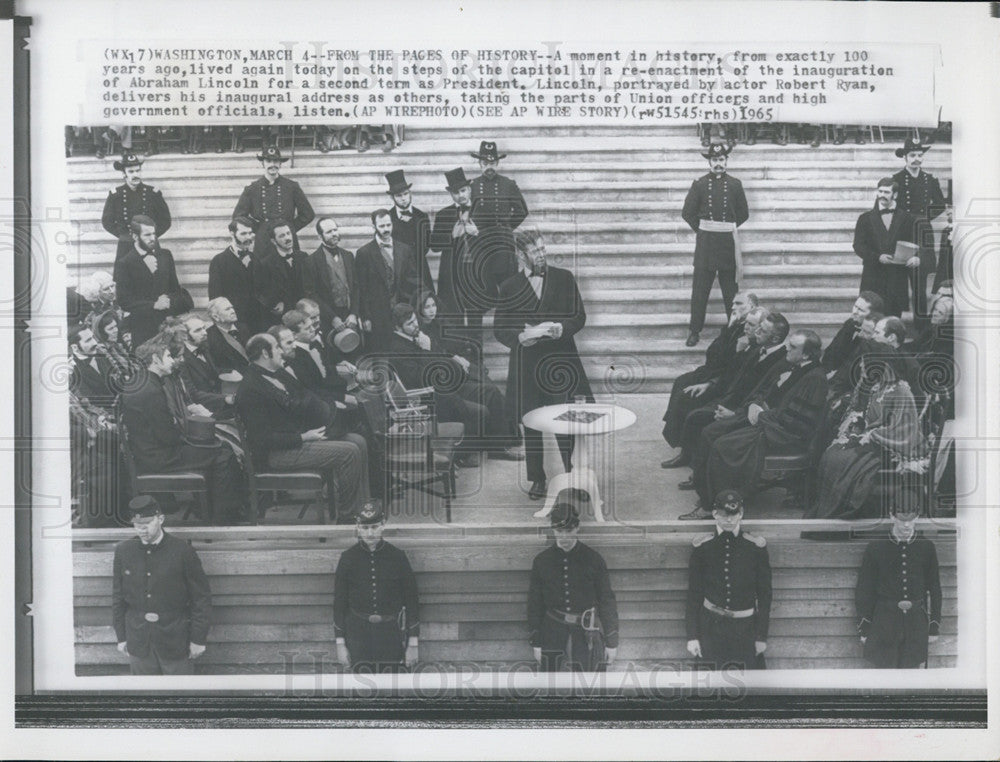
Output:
x,y
714,208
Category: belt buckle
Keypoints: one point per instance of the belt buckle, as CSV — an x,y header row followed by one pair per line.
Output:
x,y
151,616
905,606
374,619
569,619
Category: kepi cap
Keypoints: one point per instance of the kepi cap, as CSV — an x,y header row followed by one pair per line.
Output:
x,y
371,512
728,501
143,506
564,516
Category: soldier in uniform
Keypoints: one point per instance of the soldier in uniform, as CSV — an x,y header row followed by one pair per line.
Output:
x,y
375,607
129,199
729,591
714,208
498,208
898,574
273,199
160,598
572,612
920,195
410,225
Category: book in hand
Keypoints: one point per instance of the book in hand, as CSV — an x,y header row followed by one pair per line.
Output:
x,y
904,252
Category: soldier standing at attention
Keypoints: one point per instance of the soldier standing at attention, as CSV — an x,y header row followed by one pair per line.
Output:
x,y
898,574
729,591
129,199
375,608
271,200
572,612
714,208
160,598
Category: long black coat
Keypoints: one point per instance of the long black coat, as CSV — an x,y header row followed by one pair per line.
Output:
x,y
228,277
380,289
720,199
319,288
415,233
138,290
279,283
201,378
872,239
228,353
550,371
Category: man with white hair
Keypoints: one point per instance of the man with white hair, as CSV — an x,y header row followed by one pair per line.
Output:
x,y
226,336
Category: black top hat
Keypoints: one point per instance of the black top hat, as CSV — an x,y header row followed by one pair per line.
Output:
x,y
910,145
564,516
488,152
456,179
127,160
271,153
728,501
371,512
143,506
715,150
200,431
397,182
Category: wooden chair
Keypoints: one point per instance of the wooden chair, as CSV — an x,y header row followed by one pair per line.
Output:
x,y
416,451
272,482
161,483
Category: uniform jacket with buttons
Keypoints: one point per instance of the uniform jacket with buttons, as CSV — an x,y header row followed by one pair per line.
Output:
x,y
733,572
122,204
497,202
267,203
378,581
892,570
571,582
921,195
166,579
720,199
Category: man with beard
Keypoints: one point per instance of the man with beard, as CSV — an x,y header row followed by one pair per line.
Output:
x,y
701,385
875,237
198,371
126,201
387,273
498,208
410,226
572,611
844,343
233,273
89,377
309,361
226,336
271,200
920,195
334,280
147,282
375,606
714,208
283,273
539,313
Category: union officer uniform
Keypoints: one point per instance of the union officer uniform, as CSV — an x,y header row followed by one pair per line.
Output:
x,y
124,203
269,203
896,580
572,611
375,606
719,201
160,600
729,592
498,208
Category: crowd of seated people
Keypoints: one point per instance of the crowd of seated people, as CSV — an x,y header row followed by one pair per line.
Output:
x,y
862,419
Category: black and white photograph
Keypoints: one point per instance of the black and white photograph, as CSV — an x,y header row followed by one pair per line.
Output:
x,y
611,375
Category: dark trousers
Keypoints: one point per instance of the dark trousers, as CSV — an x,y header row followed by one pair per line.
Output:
x,y
154,664
374,647
534,451
897,640
226,483
701,287
566,647
703,450
727,642
681,404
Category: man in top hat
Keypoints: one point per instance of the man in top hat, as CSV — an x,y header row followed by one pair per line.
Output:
x,y
333,282
899,574
272,199
498,208
162,442
160,598
876,234
388,273
920,195
234,274
540,311
572,611
410,225
376,613
129,199
147,283
714,208
729,591
461,290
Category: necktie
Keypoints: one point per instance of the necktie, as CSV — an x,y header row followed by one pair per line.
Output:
x,y
234,333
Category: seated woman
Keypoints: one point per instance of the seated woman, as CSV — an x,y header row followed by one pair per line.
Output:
x,y
885,434
107,331
426,306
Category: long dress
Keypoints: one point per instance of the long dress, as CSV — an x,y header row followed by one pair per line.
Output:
x,y
848,472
